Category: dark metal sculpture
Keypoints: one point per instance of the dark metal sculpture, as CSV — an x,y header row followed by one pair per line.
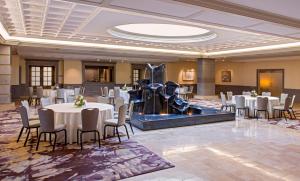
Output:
x,y
156,97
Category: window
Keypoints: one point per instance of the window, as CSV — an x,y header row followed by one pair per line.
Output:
x,y
135,75
41,76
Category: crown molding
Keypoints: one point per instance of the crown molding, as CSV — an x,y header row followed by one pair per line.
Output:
x,y
244,11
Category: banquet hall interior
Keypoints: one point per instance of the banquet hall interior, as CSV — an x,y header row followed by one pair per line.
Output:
x,y
149,90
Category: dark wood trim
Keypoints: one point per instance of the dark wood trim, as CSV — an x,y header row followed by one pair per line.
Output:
x,y
89,63
258,71
50,63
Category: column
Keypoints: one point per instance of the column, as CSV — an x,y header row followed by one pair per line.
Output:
x,y
5,74
206,77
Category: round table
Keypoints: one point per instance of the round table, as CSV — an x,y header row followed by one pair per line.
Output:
x,y
252,101
70,115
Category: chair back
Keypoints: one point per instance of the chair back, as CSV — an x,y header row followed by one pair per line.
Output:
x,y
130,109
105,91
30,91
267,94
283,96
229,95
70,99
191,89
77,91
262,103
246,93
116,92
293,101
24,116
240,102
45,101
287,103
46,119
119,101
89,119
82,90
101,91
39,92
104,100
122,115
223,98
60,93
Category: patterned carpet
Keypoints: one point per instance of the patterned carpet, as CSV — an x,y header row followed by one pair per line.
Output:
x,y
113,161
206,103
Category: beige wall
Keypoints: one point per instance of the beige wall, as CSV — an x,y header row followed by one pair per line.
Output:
x,y
16,62
176,69
244,73
123,73
72,72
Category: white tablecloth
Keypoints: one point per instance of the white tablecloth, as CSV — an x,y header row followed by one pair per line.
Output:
x,y
70,115
125,95
252,101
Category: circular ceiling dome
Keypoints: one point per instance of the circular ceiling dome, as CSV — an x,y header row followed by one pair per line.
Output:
x,y
162,33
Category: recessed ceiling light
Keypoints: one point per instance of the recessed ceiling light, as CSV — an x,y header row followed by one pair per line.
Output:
x,y
163,33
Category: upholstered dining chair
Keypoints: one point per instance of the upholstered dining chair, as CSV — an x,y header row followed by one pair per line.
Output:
x,y
283,96
39,95
29,114
31,95
45,101
282,109
292,107
60,96
105,91
70,99
48,126
104,100
82,90
226,104
89,124
119,101
262,106
130,114
267,94
246,93
116,92
240,104
27,124
77,91
116,123
229,95
101,91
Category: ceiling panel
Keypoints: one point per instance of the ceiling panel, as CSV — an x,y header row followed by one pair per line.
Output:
x,y
227,19
289,8
274,28
157,6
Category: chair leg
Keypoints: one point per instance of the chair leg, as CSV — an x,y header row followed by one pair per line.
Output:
x,y
293,114
77,137
126,131
81,140
118,134
131,127
27,137
50,138
54,142
284,116
38,143
98,138
37,132
20,134
268,116
104,132
95,137
65,136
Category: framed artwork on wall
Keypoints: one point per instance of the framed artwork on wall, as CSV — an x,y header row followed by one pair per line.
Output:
x,y
226,76
188,75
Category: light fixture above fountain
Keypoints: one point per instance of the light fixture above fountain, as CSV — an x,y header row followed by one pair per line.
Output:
x,y
162,33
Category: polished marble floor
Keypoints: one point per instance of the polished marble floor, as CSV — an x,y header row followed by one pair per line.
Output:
x,y
238,150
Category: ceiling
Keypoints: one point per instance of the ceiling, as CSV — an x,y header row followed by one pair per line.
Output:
x,y
239,24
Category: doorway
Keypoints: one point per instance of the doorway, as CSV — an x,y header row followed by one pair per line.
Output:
x,y
270,80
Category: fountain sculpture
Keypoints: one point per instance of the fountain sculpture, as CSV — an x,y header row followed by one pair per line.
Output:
x,y
156,97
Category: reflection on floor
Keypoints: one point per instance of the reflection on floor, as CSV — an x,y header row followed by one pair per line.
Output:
x,y
238,150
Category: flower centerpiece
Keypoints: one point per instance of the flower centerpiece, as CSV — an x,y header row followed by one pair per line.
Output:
x,y
253,93
79,102
124,87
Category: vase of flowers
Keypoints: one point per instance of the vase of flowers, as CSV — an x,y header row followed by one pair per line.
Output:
x,y
79,101
253,93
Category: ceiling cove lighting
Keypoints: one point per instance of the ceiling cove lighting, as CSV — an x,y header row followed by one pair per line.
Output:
x,y
254,49
162,33
7,37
